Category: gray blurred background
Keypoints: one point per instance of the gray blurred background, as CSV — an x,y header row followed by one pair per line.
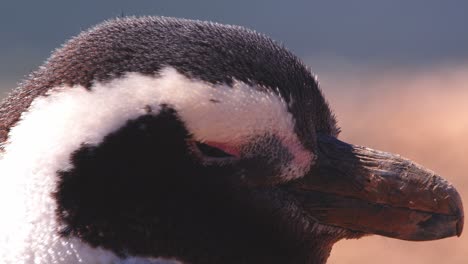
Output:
x,y
396,73
365,32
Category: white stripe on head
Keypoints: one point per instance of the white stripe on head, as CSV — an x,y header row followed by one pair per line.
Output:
x,y
57,124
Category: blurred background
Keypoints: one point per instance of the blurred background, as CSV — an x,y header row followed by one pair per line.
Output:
x,y
396,73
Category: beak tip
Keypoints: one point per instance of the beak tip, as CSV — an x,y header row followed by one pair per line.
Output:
x,y
460,225
457,205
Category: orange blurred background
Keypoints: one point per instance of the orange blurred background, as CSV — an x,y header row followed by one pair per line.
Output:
x,y
422,115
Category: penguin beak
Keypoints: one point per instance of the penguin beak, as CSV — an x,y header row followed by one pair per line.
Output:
x,y
370,191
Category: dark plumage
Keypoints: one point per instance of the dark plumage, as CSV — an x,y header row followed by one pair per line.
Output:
x,y
152,187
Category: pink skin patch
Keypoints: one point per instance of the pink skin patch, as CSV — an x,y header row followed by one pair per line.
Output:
x,y
229,149
302,156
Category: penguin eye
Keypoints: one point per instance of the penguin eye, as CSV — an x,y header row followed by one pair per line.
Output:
x,y
212,152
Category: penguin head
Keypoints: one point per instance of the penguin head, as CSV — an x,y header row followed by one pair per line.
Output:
x,y
160,137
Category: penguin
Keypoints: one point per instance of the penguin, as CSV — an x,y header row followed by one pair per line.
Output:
x,y
146,139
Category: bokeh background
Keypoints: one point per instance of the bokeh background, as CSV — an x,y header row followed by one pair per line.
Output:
x,y
396,73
